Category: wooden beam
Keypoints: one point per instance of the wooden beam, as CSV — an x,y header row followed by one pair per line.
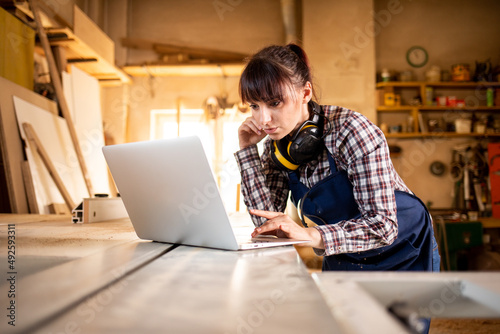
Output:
x,y
169,49
60,58
29,187
37,146
161,70
56,81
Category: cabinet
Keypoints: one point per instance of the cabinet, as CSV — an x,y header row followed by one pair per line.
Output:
x,y
417,114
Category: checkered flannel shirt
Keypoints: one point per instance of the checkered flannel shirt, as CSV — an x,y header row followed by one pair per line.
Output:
x,y
360,148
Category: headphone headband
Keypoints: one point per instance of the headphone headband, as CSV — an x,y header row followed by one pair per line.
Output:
x,y
289,153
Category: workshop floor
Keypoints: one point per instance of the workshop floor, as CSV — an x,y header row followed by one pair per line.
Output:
x,y
464,326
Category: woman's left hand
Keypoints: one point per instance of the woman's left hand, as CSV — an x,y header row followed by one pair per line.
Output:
x,y
283,226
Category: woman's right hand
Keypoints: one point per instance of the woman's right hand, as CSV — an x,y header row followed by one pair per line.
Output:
x,y
250,133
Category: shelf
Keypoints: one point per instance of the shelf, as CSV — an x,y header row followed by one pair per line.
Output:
x,y
185,70
441,135
469,109
490,222
408,84
397,108
469,84
436,108
86,45
417,111
86,58
450,84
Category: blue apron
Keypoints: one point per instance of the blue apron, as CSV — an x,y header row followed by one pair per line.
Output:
x,y
332,200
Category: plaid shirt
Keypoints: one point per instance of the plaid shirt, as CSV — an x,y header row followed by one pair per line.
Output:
x,y
360,148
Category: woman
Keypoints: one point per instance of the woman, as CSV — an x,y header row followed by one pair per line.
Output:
x,y
336,165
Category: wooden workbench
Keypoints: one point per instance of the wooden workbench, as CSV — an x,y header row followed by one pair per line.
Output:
x,y
100,278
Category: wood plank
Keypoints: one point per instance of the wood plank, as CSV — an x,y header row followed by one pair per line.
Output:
x,y
30,188
53,133
11,144
90,34
54,290
264,291
83,94
37,146
56,82
211,55
224,70
59,209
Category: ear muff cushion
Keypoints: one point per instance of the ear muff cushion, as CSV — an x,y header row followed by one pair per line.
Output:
x,y
290,153
306,145
280,155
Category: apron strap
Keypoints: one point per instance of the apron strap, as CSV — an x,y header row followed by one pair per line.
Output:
x,y
301,191
331,161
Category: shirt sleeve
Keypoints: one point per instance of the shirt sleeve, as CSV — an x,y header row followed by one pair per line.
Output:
x,y
264,187
362,148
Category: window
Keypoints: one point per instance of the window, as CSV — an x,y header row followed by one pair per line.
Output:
x,y
219,138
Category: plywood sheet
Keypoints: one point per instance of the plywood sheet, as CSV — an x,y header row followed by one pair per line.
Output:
x,y
83,95
11,146
54,135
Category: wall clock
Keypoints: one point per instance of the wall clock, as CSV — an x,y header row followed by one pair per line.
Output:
x,y
417,56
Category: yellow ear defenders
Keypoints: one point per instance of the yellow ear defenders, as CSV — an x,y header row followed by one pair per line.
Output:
x,y
289,153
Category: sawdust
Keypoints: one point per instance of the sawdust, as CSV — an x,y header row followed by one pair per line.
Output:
x,y
465,326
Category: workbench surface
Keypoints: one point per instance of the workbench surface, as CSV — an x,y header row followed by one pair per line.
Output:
x,y
100,278
103,279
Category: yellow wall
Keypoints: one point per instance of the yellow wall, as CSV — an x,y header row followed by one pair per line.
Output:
x,y
17,43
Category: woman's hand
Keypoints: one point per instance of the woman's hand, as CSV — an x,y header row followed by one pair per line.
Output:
x,y
283,226
250,133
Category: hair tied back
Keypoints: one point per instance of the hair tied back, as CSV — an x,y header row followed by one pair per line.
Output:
x,y
299,52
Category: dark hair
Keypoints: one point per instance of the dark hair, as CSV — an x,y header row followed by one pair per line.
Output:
x,y
272,71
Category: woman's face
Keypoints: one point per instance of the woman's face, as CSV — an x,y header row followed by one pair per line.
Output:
x,y
280,118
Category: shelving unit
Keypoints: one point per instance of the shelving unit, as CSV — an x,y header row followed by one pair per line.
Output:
x,y
86,57
86,45
419,110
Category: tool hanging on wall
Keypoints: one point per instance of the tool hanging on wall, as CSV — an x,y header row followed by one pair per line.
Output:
x,y
437,168
56,81
456,172
469,171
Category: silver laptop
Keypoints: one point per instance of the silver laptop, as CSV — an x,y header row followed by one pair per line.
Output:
x,y
171,196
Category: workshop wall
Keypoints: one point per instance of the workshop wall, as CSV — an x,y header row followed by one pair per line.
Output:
x,y
341,53
346,49
452,32
244,26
